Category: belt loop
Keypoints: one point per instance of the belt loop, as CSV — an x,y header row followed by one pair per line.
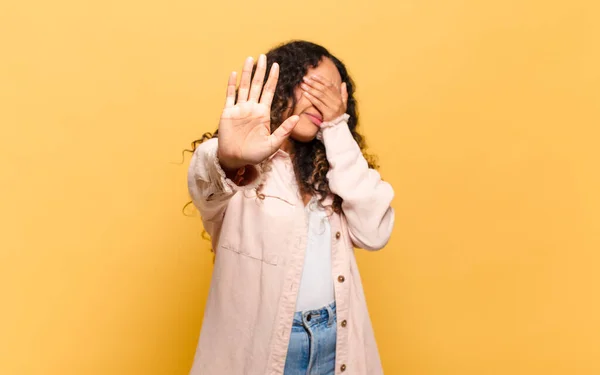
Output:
x,y
330,314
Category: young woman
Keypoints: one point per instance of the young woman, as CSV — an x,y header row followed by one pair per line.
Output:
x,y
286,194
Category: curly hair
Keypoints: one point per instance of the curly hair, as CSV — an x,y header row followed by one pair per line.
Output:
x,y
295,58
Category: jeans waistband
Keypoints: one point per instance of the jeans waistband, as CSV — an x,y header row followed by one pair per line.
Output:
x,y
312,317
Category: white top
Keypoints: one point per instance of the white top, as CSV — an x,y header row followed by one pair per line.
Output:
x,y
316,286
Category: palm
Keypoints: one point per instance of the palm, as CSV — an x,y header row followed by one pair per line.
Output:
x,y
244,130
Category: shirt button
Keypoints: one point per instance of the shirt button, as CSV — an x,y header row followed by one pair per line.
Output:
x,y
338,235
344,323
341,278
308,318
343,368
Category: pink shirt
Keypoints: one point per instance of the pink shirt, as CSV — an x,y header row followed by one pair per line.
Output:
x,y
260,245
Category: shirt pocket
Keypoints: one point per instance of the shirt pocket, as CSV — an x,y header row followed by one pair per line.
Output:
x,y
254,253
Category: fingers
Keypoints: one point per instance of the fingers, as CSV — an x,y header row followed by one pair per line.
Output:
x,y
318,95
325,91
282,132
314,84
317,102
328,98
316,88
245,80
320,81
230,96
269,90
259,77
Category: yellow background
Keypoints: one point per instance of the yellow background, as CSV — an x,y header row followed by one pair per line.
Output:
x,y
485,118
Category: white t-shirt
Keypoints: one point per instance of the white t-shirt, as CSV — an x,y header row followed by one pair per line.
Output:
x,y
316,285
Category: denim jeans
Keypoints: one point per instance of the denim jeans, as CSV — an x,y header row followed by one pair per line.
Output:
x,y
312,344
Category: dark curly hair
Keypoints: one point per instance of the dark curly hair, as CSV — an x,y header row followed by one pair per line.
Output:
x,y
309,158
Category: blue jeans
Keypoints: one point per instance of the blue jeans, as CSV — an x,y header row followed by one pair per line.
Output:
x,y
312,343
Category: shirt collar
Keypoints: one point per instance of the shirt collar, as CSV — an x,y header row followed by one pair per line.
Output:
x,y
279,153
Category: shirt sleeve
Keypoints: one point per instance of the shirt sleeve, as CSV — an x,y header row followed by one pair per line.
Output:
x,y
209,187
366,197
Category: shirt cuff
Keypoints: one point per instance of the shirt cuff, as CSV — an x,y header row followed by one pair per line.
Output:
x,y
227,185
331,124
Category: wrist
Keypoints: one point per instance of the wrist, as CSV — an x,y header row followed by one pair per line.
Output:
x,y
344,117
229,165
240,174
332,117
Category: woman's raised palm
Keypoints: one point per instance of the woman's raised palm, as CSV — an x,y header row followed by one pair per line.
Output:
x,y
245,128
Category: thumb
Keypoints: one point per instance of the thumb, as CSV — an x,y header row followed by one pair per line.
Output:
x,y
344,90
283,132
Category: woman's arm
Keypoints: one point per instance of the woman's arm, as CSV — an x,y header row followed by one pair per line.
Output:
x,y
245,141
366,197
211,188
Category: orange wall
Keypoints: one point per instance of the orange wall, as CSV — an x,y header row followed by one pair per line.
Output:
x,y
485,116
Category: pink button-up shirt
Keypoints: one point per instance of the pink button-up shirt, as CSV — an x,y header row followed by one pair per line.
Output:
x,y
260,246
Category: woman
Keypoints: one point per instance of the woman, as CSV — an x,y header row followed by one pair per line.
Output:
x,y
286,194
